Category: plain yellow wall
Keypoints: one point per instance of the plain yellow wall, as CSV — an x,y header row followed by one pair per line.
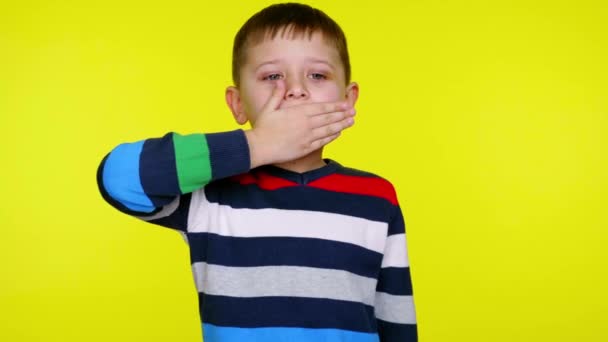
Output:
x,y
490,118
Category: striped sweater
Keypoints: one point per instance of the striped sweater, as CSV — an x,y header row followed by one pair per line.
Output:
x,y
276,255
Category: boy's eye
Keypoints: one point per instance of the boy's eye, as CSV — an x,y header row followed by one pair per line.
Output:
x,y
272,77
318,76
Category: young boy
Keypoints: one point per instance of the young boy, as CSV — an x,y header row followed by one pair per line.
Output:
x,y
284,245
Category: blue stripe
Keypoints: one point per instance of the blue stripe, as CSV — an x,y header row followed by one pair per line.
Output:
x,y
292,251
121,177
230,193
397,332
158,170
119,206
213,333
395,281
259,312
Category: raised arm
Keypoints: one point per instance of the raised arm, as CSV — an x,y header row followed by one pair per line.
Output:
x,y
151,179
394,305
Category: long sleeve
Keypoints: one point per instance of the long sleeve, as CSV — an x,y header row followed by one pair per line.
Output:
x,y
153,179
394,304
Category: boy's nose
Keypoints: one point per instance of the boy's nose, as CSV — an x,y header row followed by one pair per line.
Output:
x,y
296,91
296,94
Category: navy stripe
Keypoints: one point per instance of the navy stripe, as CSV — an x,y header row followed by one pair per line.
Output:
x,y
157,170
114,203
397,332
286,312
230,193
397,224
228,153
179,218
290,251
395,281
348,171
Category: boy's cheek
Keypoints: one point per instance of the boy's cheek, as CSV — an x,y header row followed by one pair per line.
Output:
x,y
328,94
254,103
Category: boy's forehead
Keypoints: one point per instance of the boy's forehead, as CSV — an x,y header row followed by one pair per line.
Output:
x,y
281,47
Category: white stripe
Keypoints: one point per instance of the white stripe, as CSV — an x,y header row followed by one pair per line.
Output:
x,y
289,281
227,221
395,309
395,252
164,212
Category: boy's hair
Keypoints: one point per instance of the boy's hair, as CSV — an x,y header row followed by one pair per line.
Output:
x,y
300,19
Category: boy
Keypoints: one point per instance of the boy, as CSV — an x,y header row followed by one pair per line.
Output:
x,y
284,245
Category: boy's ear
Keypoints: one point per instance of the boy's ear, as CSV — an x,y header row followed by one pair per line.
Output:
x,y
352,93
233,99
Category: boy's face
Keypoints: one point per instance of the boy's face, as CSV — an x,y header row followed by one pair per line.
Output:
x,y
311,69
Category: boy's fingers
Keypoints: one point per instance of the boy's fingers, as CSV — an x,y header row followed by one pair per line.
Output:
x,y
331,129
328,118
324,141
312,109
277,96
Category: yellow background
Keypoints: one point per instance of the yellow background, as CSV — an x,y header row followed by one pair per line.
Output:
x,y
490,118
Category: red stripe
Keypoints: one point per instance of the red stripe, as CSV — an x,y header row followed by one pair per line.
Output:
x,y
264,181
372,186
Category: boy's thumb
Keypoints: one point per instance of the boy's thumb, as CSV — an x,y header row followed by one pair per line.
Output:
x,y
277,96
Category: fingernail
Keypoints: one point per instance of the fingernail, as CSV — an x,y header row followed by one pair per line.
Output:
x,y
352,111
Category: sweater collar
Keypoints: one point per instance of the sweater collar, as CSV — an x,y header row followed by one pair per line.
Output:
x,y
302,177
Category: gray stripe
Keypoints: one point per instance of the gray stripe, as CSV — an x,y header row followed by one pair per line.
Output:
x,y
291,281
185,236
395,309
165,211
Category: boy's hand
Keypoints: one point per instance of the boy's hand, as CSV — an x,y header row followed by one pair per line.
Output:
x,y
286,134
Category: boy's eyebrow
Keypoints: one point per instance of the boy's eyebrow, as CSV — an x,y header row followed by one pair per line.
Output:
x,y
322,61
309,59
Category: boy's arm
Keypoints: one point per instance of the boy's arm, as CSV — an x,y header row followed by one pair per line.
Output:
x,y
394,305
153,179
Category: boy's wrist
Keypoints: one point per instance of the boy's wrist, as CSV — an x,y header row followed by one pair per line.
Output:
x,y
255,149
